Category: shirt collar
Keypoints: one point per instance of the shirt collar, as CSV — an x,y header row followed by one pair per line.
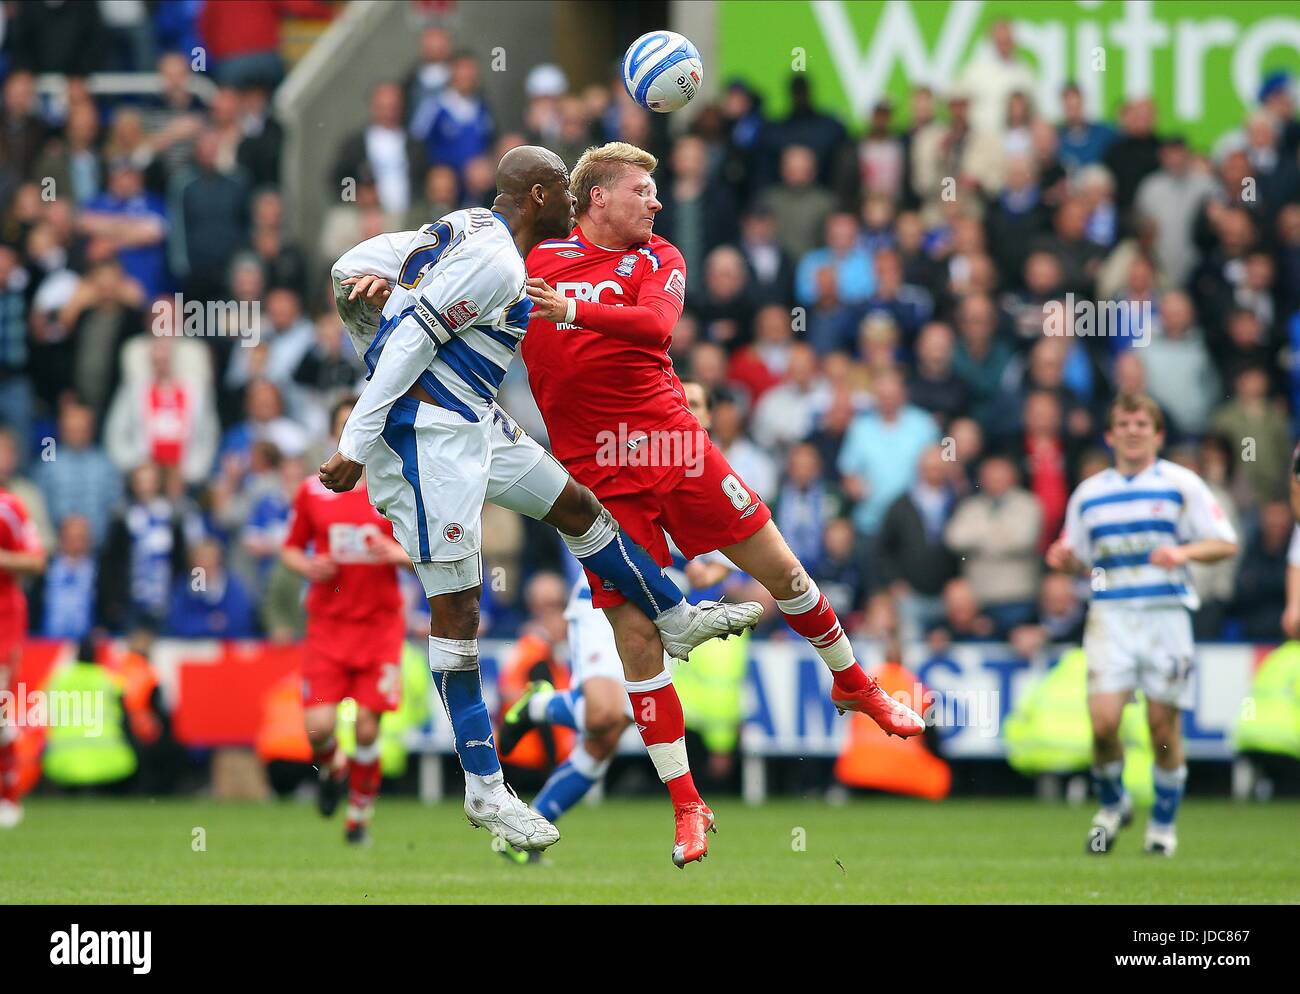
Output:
x,y
510,231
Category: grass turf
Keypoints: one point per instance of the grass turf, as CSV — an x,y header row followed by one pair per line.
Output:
x,y
876,851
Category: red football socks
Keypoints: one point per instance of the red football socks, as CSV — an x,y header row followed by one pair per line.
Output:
x,y
818,624
657,711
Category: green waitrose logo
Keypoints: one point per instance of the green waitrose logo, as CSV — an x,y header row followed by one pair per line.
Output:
x,y
1202,62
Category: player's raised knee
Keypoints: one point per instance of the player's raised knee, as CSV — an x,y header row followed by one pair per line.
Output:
x,y
606,716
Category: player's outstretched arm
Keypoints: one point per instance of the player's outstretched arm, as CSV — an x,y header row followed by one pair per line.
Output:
x,y
460,286
647,323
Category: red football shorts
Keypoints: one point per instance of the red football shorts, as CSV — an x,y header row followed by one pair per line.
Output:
x,y
706,507
357,661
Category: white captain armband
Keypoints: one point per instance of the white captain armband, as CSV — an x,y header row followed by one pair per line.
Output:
x,y
432,324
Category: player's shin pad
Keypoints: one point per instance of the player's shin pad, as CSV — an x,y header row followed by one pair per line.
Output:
x,y
669,759
657,711
454,663
452,655
614,557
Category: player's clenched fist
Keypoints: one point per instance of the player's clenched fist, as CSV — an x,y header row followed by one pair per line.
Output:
x,y
1169,556
320,569
1061,557
339,473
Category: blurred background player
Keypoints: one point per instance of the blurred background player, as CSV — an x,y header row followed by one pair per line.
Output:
x,y
596,705
355,632
438,446
599,369
21,555
1135,526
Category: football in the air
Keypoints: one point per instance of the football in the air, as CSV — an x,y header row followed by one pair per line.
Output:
x,y
662,71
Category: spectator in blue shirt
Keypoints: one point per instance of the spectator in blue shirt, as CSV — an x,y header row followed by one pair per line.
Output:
x,y
68,590
76,476
909,306
855,274
209,602
882,450
1083,142
141,555
832,324
457,125
804,505
134,223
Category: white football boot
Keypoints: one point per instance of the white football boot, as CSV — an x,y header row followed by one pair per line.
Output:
x,y
11,814
1106,824
1161,840
511,820
706,620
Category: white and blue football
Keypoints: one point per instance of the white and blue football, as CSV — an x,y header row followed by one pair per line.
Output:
x,y
662,71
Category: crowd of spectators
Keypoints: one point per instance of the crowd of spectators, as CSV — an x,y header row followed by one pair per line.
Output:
x,y
866,303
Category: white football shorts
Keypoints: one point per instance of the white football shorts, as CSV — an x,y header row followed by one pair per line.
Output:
x,y
592,650
431,471
1148,649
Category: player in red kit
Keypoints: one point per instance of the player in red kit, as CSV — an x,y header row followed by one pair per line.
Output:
x,y
355,631
606,300
20,555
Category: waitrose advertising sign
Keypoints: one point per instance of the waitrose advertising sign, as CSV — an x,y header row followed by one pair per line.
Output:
x,y
1202,62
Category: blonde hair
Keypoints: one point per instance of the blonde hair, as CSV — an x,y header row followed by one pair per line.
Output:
x,y
601,166
1131,403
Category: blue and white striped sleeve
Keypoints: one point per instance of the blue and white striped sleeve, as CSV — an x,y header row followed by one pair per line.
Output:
x,y
1202,517
465,290
451,297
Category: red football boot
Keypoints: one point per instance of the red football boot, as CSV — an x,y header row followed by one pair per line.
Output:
x,y
893,716
694,822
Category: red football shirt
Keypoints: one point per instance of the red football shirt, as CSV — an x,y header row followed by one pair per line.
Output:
x,y
607,376
344,527
17,534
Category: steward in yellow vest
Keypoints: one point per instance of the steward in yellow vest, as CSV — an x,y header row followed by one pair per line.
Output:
x,y
1049,730
85,744
1270,717
711,685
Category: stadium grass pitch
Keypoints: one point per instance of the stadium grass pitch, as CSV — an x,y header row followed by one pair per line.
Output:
x,y
871,850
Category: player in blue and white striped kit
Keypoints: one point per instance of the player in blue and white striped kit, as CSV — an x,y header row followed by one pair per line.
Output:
x,y
1134,527
435,445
